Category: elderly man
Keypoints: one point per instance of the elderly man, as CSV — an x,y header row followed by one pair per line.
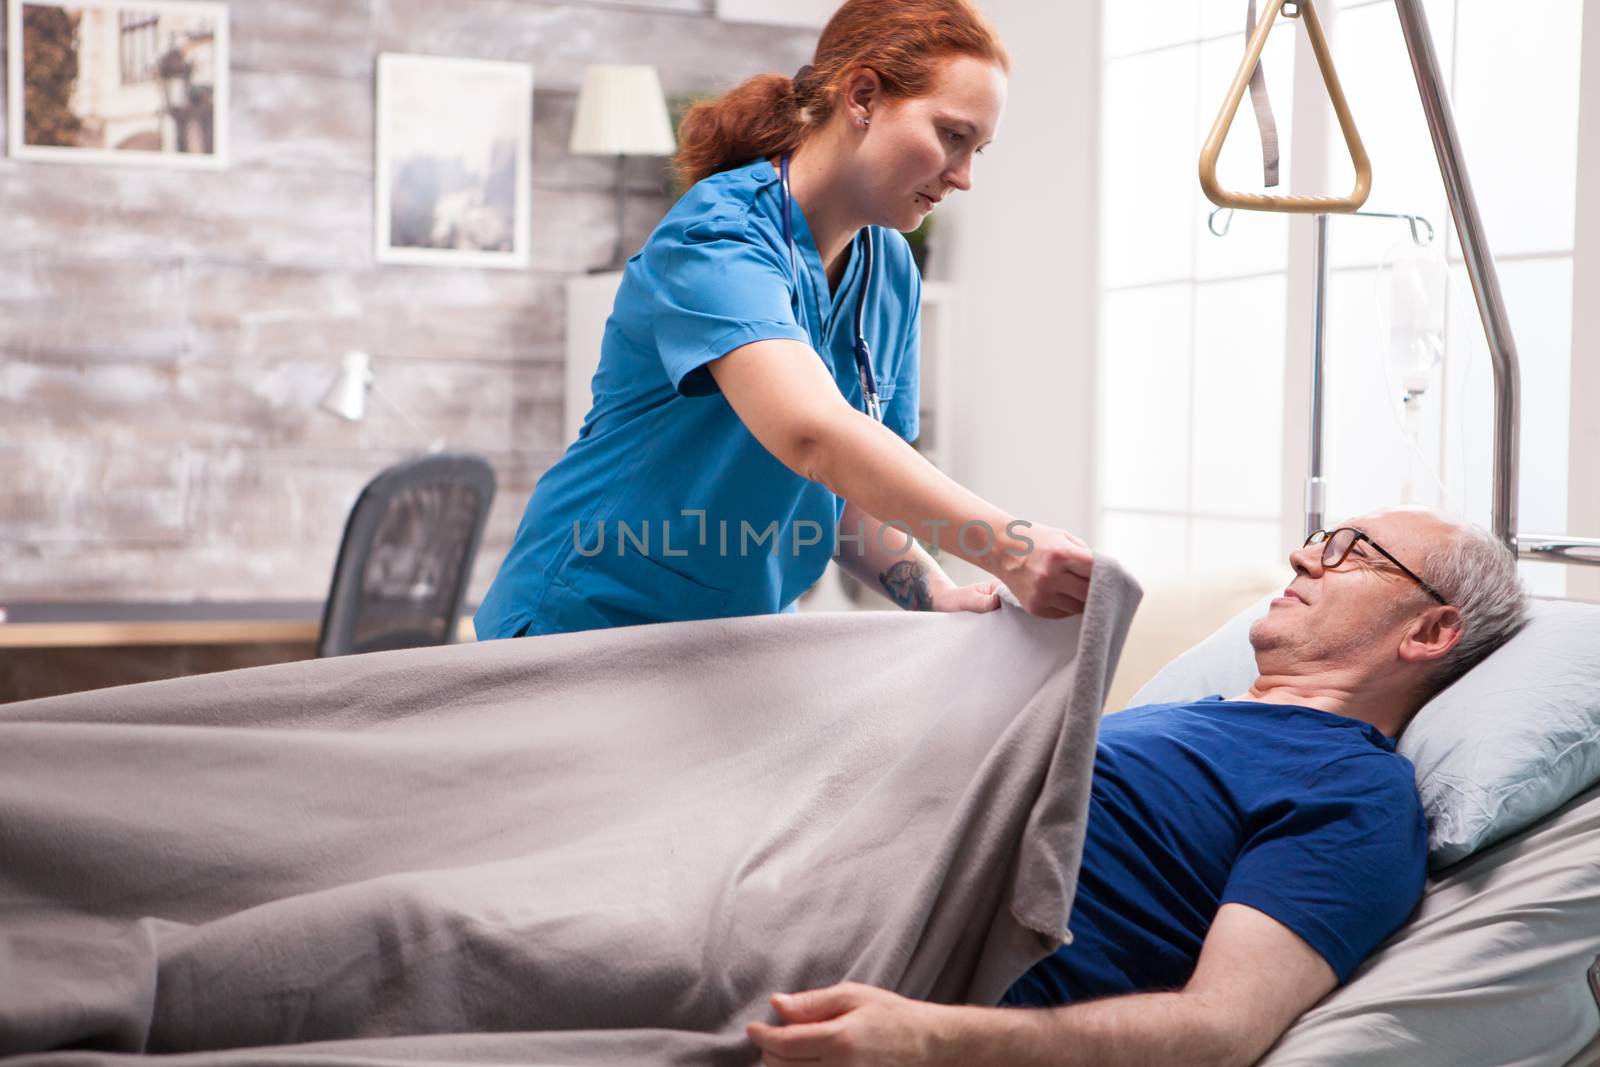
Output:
x,y
1243,855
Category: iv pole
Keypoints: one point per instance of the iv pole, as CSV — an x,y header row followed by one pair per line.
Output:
x,y
1422,235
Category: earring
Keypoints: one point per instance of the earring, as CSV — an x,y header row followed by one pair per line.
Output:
x,y
863,122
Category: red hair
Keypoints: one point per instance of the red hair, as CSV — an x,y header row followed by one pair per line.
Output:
x,y
902,41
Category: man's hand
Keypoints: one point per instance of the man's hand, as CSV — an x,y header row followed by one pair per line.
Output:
x,y
849,1024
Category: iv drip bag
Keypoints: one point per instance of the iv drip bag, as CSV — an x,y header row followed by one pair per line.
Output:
x,y
1416,312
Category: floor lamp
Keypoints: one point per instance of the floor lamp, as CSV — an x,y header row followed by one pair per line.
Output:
x,y
621,112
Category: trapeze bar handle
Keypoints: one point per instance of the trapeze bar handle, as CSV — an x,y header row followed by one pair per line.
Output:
x,y
1304,205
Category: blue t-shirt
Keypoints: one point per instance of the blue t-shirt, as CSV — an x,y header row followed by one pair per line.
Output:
x,y
1307,816
663,453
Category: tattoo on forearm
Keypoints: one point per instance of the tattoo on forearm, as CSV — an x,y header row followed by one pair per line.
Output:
x,y
907,585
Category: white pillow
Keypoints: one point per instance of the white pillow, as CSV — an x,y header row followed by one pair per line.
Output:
x,y
1504,746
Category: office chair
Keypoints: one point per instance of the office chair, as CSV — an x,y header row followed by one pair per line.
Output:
x,y
406,555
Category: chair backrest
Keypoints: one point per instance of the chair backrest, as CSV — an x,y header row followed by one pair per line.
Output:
x,y
407,555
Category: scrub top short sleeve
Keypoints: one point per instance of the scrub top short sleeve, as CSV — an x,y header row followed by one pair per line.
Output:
x,y
718,286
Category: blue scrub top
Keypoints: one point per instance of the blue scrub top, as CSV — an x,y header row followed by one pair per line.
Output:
x,y
661,444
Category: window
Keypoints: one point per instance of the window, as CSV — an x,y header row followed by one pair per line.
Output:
x,y
140,51
1192,326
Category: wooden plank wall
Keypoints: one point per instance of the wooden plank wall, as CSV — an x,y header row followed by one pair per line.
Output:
x,y
165,335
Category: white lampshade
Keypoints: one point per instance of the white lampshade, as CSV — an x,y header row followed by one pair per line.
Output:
x,y
347,396
622,112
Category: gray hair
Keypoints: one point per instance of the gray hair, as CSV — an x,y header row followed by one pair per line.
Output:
x,y
1478,576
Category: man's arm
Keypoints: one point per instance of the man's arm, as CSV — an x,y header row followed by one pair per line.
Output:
x,y
1253,979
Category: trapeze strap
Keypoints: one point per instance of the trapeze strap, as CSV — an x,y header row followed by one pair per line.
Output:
x,y
1263,105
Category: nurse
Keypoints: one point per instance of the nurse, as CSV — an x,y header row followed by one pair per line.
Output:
x,y
756,394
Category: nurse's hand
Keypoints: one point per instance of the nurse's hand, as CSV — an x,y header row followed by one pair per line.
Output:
x,y
978,597
1052,579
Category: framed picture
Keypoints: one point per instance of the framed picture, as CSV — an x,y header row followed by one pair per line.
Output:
x,y
108,81
455,144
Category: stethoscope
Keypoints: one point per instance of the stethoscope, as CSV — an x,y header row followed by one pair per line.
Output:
x,y
869,382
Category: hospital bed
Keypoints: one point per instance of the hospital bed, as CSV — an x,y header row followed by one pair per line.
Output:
x,y
493,852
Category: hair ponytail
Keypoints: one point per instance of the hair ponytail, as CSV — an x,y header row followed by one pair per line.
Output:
x,y
764,116
760,117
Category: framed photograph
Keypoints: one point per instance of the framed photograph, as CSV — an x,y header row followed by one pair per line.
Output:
x,y
455,146
108,81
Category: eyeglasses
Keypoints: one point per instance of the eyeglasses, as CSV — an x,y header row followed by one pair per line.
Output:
x,y
1338,543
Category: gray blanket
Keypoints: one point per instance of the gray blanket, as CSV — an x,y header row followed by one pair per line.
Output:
x,y
600,848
